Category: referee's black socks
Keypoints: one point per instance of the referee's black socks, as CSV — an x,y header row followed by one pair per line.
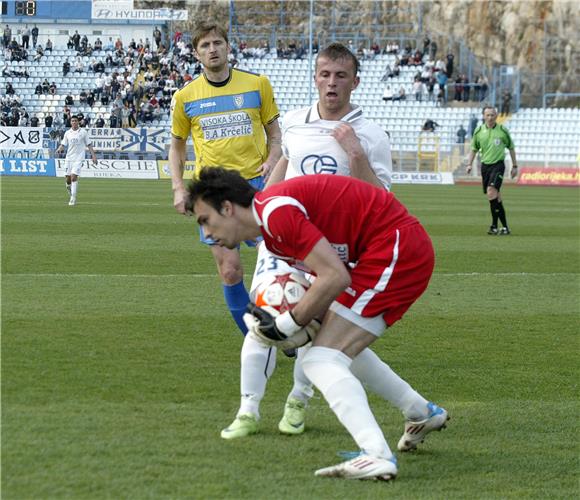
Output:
x,y
502,216
494,206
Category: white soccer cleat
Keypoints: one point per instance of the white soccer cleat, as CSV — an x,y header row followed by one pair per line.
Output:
x,y
363,467
72,201
415,431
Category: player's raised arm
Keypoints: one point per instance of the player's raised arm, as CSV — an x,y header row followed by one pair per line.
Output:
x,y
177,155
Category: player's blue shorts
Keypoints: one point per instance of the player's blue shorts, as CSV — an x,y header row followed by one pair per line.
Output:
x,y
258,183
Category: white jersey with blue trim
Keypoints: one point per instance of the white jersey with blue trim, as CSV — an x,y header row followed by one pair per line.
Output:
x,y
310,149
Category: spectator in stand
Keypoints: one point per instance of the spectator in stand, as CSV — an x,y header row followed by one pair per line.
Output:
x,y
79,66
84,43
449,65
34,33
506,100
98,45
7,36
132,119
483,87
68,100
433,50
65,67
76,39
38,89
473,123
458,88
430,125
157,37
417,89
48,120
52,88
23,120
118,44
10,89
48,46
39,53
26,37
388,94
466,88
83,97
426,43
461,134
34,121
402,93
110,45
45,86
70,43
91,98
66,116
99,123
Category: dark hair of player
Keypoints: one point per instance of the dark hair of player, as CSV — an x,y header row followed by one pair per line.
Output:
x,y
204,28
336,51
486,108
216,185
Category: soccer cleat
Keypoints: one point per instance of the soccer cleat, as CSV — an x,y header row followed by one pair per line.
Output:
x,y
243,425
492,230
293,420
362,466
415,431
72,201
504,231
68,189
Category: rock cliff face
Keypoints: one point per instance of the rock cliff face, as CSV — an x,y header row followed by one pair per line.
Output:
x,y
536,36
519,33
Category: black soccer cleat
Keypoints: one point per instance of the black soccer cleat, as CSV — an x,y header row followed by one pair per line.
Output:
x,y
492,230
504,231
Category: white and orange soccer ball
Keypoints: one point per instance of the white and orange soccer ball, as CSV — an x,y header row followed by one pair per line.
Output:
x,y
281,293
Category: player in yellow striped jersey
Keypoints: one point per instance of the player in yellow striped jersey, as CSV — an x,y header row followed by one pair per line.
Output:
x,y
232,118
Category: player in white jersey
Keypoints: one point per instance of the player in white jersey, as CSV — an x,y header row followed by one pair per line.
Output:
x,y
331,137
76,140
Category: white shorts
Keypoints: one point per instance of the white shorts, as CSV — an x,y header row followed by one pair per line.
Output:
x,y
73,167
376,325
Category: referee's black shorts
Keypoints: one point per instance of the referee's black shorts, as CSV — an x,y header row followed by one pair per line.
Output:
x,y
492,175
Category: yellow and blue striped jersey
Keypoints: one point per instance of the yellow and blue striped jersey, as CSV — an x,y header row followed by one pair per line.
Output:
x,y
226,121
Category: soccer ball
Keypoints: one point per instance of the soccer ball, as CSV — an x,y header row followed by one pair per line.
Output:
x,y
281,293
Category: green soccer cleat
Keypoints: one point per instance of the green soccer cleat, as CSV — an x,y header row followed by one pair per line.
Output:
x,y
293,420
243,425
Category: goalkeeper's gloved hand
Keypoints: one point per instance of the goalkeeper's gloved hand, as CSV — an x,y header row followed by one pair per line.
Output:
x,y
281,331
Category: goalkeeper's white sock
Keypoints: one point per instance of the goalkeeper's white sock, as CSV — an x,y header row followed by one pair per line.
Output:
x,y
329,370
379,378
257,365
302,388
73,188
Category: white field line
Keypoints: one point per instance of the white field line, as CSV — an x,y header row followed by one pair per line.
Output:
x,y
195,275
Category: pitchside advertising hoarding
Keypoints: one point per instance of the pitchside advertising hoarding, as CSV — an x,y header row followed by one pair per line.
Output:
x,y
123,10
542,176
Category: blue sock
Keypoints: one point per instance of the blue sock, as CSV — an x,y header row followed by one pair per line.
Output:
x,y
237,299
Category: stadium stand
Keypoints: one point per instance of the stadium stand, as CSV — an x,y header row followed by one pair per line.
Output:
x,y
541,135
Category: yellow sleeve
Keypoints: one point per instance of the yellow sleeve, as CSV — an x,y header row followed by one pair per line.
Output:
x,y
180,123
269,111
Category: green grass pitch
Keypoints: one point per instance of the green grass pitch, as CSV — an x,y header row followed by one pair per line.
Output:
x,y
120,362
